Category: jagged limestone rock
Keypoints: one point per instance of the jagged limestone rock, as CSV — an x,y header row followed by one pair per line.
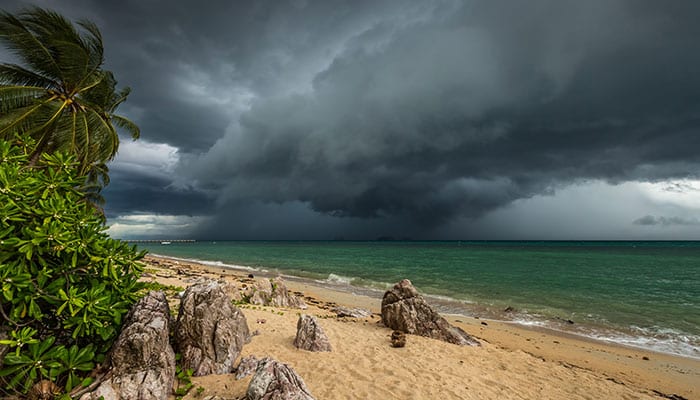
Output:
x,y
403,309
271,292
142,362
274,380
310,335
246,367
210,331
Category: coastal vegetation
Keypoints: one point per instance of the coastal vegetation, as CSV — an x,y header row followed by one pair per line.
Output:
x,y
66,285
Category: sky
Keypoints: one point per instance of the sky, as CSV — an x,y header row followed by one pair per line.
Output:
x,y
425,119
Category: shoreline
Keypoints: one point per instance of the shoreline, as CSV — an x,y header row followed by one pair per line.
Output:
x,y
647,370
448,306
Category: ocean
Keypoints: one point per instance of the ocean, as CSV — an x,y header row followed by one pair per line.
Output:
x,y
643,294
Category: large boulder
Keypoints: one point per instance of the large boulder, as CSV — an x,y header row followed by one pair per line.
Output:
x,y
310,335
403,309
274,380
210,331
142,361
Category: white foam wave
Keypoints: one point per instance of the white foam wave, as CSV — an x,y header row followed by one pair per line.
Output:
x,y
339,279
663,340
211,263
447,299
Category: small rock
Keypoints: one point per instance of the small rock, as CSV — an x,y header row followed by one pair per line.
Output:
x,y
251,276
509,309
310,335
398,339
484,323
645,358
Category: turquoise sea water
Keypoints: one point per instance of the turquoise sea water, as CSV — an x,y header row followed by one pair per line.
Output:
x,y
644,294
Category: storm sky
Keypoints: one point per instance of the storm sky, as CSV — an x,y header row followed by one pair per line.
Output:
x,y
426,119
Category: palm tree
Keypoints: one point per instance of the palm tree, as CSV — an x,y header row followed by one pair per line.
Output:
x,y
61,97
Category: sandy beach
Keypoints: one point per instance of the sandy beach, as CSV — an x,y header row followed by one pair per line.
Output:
x,y
514,362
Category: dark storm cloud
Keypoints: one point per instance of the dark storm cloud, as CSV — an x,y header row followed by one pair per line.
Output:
x,y
407,113
468,109
139,193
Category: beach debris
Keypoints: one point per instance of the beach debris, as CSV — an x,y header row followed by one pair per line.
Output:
x,y
403,309
4,349
142,361
251,276
44,390
398,339
342,312
484,323
310,335
274,380
669,396
509,309
210,331
246,367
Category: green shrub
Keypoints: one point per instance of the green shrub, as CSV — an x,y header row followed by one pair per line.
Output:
x,y
65,284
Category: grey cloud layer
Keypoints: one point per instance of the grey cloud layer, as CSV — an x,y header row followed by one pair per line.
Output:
x,y
467,110
410,113
650,220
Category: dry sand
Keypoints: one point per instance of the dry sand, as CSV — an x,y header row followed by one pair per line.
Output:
x,y
513,363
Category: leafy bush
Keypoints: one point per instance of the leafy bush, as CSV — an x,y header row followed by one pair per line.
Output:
x,y
65,284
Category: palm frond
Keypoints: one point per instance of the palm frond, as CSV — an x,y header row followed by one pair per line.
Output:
x,y
82,138
14,97
10,125
100,94
12,74
93,41
119,98
106,138
74,63
16,119
23,43
127,125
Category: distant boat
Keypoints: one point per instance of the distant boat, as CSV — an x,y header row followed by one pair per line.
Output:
x,y
165,242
